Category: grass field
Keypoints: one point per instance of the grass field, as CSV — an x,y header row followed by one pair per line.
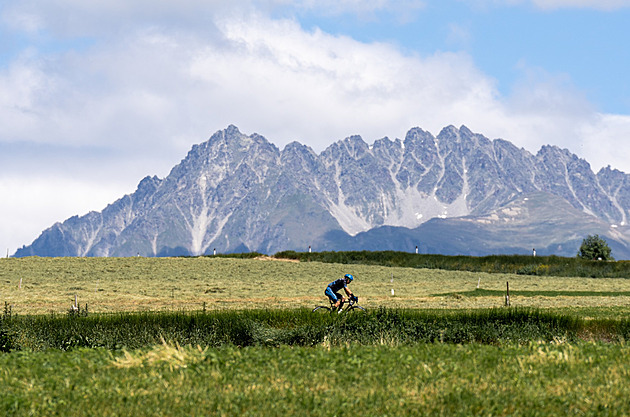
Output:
x,y
539,379
44,285
533,363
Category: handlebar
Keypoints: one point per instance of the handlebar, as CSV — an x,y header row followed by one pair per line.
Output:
x,y
350,300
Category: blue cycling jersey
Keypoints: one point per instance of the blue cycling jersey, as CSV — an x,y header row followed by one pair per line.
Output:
x,y
338,284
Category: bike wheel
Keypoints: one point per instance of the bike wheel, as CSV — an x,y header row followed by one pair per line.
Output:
x,y
356,308
321,308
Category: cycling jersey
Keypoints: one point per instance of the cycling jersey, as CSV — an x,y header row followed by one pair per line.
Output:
x,y
338,284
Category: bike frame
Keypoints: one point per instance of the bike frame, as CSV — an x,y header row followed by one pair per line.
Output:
x,y
348,303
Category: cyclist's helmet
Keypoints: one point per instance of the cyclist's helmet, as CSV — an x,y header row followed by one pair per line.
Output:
x,y
348,277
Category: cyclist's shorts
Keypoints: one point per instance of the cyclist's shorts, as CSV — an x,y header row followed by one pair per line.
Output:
x,y
332,295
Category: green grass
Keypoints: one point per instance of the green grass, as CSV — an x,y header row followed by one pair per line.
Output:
x,y
235,336
537,379
301,327
540,293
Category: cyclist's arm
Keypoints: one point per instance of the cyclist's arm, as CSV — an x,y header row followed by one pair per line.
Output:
x,y
348,292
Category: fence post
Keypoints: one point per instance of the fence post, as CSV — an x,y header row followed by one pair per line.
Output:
x,y
392,282
507,294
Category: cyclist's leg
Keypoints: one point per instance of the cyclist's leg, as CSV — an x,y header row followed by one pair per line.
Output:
x,y
335,298
340,301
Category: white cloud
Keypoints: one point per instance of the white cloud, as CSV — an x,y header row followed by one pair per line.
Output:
x,y
358,7
264,75
605,5
582,4
604,142
109,18
39,202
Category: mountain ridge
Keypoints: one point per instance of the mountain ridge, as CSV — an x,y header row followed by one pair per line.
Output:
x,y
237,191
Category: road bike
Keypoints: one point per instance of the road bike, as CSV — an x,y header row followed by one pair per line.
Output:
x,y
346,306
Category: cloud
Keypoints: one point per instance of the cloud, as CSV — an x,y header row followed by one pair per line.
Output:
x,y
601,142
265,75
324,87
361,8
607,5
63,197
604,5
110,18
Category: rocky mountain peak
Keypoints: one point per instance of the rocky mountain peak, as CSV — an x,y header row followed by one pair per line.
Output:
x,y
238,191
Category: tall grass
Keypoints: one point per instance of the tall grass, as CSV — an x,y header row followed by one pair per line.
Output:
x,y
299,328
510,264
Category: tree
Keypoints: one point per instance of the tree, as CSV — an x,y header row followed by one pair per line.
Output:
x,y
595,248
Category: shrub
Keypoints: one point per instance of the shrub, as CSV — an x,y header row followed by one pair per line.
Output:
x,y
595,248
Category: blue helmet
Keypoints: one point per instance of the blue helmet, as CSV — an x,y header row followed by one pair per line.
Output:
x,y
348,277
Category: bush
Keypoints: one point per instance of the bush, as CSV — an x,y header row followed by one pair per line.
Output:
x,y
595,248
504,264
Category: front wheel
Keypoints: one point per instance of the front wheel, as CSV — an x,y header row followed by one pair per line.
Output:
x,y
355,307
321,308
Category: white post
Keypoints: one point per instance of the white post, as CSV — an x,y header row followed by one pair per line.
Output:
x,y
478,282
215,251
534,252
309,248
416,250
20,285
392,282
507,294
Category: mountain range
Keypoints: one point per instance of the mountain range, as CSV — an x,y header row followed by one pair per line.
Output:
x,y
455,193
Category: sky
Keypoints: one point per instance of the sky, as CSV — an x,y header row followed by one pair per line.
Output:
x,y
96,95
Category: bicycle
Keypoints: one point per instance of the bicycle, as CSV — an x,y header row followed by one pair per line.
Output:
x,y
351,305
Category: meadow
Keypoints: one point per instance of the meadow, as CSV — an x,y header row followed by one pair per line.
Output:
x,y
228,336
51,285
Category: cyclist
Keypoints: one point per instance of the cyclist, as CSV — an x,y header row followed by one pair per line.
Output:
x,y
332,290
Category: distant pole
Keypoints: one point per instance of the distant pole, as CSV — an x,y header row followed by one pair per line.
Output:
x,y
215,251
416,249
20,286
309,248
507,295
534,252
392,282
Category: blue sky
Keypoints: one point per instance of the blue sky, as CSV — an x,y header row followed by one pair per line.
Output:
x,y
584,45
96,95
